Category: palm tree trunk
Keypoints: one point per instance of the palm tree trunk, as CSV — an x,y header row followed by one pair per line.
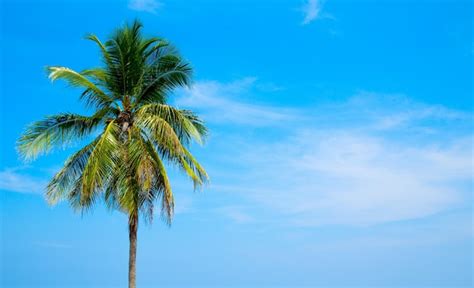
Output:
x,y
132,235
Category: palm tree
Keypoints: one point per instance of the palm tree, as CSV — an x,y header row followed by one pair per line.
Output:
x,y
125,164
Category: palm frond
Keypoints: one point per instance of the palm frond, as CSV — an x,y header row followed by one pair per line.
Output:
x,y
41,136
161,132
185,123
193,169
98,74
102,47
126,60
101,164
168,72
162,184
76,79
65,181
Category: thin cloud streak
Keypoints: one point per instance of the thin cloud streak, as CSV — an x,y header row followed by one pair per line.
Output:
x,y
311,10
15,180
218,103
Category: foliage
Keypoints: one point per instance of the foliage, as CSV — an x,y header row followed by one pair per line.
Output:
x,y
139,131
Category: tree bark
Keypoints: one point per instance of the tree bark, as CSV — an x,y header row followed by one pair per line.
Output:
x,y
132,235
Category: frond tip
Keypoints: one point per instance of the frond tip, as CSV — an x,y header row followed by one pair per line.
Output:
x,y
77,79
57,130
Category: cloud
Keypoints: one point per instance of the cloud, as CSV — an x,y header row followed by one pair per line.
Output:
x,y
17,181
311,10
351,178
398,111
372,159
221,103
150,6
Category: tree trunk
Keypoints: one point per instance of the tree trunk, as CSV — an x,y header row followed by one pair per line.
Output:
x,y
132,234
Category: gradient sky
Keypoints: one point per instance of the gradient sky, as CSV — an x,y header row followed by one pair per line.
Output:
x,y
340,151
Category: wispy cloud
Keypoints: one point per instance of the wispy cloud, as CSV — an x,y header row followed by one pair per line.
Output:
x,y
222,103
150,6
352,178
311,10
372,159
17,180
395,111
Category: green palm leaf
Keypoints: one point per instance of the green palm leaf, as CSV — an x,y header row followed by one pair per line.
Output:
x,y
41,136
186,125
79,80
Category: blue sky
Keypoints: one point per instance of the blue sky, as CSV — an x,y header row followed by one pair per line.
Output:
x,y
340,152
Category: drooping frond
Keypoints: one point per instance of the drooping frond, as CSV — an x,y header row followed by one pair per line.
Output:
x,y
163,124
79,80
41,136
185,123
97,74
101,164
161,183
141,180
65,181
193,169
162,133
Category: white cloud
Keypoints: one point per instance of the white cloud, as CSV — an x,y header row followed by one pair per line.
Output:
x,y
336,177
394,111
311,10
221,103
150,6
16,181
356,166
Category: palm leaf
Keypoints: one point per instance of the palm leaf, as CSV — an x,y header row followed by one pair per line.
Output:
x,y
101,163
41,136
76,79
66,179
186,125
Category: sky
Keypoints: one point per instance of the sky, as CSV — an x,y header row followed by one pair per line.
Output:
x,y
340,149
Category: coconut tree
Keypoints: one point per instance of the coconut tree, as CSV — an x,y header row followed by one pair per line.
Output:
x,y
138,132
